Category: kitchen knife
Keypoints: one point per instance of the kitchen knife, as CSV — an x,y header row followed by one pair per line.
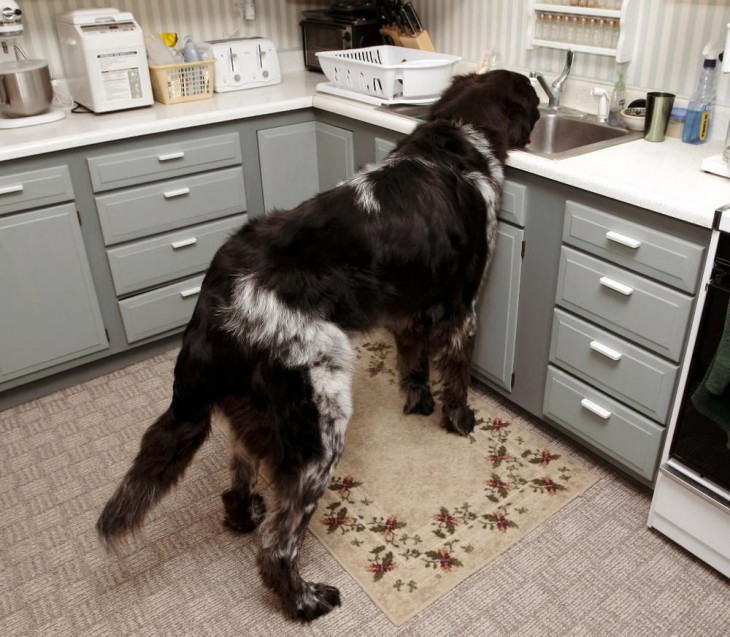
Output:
x,y
412,16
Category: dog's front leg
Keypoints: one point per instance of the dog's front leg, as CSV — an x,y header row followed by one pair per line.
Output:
x,y
413,367
452,344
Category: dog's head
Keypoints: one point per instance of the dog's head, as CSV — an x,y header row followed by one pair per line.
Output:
x,y
501,104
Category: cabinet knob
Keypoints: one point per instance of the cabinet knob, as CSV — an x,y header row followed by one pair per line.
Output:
x,y
607,351
616,237
616,286
190,292
6,190
183,243
595,409
171,194
171,156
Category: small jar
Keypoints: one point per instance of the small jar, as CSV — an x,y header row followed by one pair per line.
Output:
x,y
676,122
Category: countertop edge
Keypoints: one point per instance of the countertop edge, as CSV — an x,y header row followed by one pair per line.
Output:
x,y
665,178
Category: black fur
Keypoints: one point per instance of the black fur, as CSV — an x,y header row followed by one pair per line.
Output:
x,y
404,245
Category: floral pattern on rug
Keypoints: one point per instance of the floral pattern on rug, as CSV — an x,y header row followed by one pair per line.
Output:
x,y
397,559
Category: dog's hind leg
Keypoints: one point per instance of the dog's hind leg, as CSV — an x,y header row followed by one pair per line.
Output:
x,y
413,367
452,344
243,505
312,438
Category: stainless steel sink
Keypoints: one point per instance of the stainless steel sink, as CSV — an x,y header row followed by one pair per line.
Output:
x,y
561,135
555,136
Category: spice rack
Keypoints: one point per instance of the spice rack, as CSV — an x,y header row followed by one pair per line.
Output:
x,y
601,27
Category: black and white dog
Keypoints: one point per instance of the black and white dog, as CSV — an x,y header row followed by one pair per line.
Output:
x,y
403,244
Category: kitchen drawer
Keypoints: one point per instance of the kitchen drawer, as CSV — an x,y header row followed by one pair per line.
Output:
x,y
621,433
164,258
643,311
129,168
662,256
36,188
514,196
138,212
159,310
627,372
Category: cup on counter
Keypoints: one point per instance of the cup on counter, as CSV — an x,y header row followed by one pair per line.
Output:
x,y
658,110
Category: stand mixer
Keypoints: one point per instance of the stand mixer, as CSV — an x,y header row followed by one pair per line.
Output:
x,y
26,92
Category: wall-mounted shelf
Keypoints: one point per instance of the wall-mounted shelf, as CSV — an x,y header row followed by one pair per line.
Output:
x,y
596,30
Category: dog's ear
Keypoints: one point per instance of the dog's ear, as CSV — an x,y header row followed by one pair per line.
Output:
x,y
502,104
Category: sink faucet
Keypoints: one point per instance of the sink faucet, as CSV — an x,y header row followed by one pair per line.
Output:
x,y
555,90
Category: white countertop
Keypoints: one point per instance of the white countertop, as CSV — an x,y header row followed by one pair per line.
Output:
x,y
663,177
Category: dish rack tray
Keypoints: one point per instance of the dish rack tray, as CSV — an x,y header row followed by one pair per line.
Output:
x,y
389,72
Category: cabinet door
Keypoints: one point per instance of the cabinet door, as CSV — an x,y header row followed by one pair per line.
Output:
x,y
49,312
494,350
300,160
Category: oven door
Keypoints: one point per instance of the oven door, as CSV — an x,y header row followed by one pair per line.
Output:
x,y
701,443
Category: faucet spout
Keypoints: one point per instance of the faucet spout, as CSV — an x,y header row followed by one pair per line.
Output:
x,y
555,90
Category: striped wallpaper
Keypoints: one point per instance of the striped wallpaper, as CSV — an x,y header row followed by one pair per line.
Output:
x,y
667,55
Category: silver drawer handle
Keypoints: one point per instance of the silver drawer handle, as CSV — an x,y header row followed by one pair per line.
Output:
x,y
171,156
605,350
183,243
616,286
170,194
190,292
596,409
611,235
6,190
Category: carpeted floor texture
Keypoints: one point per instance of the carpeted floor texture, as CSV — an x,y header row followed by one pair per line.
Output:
x,y
591,568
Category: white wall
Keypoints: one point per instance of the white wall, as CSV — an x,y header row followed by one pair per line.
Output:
x,y
667,56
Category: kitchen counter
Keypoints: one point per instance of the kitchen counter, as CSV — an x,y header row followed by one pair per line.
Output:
x,y
663,177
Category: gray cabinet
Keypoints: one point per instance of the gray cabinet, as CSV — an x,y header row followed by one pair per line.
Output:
x,y
299,160
494,349
625,293
49,313
178,203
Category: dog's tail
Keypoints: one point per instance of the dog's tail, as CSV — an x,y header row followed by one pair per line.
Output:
x,y
167,448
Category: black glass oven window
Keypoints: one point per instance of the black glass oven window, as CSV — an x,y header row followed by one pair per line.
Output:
x,y
702,437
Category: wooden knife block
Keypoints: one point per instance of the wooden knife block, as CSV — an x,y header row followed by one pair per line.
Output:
x,y
419,41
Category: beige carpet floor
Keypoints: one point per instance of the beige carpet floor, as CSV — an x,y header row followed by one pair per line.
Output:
x,y
593,568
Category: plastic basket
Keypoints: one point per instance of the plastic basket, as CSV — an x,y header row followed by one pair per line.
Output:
x,y
173,83
389,72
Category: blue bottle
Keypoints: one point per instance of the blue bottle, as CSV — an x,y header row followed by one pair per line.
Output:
x,y
698,124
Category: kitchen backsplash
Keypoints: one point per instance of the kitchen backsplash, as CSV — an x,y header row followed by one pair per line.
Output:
x,y
667,57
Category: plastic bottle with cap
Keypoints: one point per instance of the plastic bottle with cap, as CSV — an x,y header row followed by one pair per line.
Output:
x,y
698,123
190,51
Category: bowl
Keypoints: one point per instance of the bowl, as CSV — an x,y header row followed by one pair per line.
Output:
x,y
634,117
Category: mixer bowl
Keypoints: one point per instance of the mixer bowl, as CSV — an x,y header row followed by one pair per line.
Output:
x,y
25,88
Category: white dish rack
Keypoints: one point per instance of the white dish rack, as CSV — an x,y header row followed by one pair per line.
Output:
x,y
387,74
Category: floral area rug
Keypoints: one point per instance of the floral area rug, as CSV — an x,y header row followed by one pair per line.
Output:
x,y
412,510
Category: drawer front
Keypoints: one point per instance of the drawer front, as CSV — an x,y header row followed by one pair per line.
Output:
x,y
627,372
643,311
162,161
621,433
159,310
139,212
149,262
662,256
36,188
513,203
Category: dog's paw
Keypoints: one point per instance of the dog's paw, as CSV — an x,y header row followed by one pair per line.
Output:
x,y
313,601
419,401
242,514
459,420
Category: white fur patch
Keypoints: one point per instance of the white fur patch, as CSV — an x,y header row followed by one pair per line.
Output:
x,y
364,193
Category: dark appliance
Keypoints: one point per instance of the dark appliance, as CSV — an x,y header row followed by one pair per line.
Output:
x,y
701,440
691,500
345,25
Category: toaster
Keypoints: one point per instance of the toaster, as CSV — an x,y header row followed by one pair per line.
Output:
x,y
242,63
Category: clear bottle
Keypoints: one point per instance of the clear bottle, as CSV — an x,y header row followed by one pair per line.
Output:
x,y
698,124
618,101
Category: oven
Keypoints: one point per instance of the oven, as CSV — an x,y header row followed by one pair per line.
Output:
x,y
691,501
